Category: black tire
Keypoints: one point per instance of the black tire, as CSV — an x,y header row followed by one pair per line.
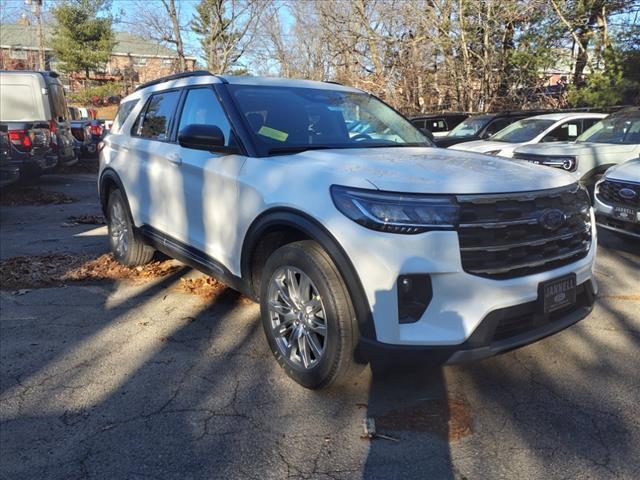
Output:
x,y
337,364
125,242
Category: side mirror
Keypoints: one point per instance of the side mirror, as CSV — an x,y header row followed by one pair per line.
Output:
x,y
202,137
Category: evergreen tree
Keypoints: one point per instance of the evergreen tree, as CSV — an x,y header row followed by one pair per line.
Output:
x,y
82,38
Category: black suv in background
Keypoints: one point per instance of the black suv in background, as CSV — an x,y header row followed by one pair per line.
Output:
x,y
480,127
439,124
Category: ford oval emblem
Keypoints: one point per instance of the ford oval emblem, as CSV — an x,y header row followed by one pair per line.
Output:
x,y
552,219
627,193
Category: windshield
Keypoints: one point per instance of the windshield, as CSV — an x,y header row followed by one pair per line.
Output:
x,y
623,130
290,119
469,127
522,130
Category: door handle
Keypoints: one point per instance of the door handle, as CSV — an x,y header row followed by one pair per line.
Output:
x,y
174,158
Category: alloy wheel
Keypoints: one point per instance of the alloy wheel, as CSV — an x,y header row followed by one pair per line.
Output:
x,y
298,318
118,229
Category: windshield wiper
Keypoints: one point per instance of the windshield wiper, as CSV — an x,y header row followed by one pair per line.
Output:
x,y
298,148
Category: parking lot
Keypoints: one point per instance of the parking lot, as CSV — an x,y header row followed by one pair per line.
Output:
x,y
142,378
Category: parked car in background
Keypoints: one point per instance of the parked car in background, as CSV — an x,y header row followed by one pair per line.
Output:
x,y
80,128
439,125
9,165
358,246
36,101
612,141
29,139
617,199
551,127
481,127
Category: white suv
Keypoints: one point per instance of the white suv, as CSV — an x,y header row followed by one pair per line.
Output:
x,y
360,240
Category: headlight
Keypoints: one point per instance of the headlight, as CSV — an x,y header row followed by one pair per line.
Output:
x,y
566,163
396,212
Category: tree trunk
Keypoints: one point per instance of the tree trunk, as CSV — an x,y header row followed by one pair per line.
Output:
x,y
177,34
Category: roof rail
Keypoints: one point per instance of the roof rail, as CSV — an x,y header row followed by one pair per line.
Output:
x,y
175,76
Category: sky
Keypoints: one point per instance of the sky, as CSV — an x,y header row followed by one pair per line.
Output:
x,y
124,13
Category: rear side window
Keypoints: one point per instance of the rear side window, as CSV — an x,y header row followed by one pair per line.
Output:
x,y
202,107
587,123
154,122
58,104
123,114
567,132
437,125
497,125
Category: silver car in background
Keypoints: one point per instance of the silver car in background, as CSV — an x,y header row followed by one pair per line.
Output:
x,y
617,199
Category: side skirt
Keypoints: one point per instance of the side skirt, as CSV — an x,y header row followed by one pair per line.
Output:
x,y
194,258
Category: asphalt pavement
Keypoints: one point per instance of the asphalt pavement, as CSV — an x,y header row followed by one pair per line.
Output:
x,y
141,380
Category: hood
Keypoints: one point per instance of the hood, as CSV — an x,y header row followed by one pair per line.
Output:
x,y
625,172
575,148
425,170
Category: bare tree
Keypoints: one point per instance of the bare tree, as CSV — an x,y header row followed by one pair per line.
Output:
x,y
165,24
226,29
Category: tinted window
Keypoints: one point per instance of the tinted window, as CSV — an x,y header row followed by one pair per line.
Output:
x,y
614,129
587,123
123,113
523,130
154,122
418,123
58,104
437,125
201,106
567,132
497,125
471,126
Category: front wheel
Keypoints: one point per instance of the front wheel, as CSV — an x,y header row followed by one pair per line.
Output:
x,y
308,316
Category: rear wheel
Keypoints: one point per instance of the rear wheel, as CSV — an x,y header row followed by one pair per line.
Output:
x,y
308,316
126,244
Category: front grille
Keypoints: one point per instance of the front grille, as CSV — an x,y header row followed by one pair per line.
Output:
x,y
609,193
510,235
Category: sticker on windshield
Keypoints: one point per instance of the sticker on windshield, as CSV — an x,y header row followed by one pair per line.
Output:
x,y
273,133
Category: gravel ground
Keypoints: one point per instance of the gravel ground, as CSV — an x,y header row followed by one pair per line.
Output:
x,y
141,379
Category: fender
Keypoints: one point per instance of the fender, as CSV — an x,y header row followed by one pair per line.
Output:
x,y
109,174
314,230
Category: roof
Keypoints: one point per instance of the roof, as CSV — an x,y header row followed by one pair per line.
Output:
x,y
285,82
24,36
556,117
428,116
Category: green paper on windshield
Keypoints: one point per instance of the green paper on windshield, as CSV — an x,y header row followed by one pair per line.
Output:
x,y
273,133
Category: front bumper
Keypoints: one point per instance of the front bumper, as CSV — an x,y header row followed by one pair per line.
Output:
x,y
606,220
460,301
499,332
